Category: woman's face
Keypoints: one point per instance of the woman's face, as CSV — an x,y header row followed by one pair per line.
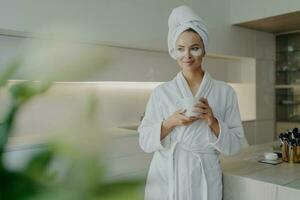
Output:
x,y
189,50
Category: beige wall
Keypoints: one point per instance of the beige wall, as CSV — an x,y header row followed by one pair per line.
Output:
x,y
130,24
138,24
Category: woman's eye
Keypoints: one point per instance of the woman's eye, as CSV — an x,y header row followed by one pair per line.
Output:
x,y
180,49
195,48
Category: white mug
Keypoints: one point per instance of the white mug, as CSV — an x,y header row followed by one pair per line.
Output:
x,y
188,104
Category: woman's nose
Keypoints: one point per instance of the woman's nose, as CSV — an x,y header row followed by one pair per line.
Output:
x,y
187,54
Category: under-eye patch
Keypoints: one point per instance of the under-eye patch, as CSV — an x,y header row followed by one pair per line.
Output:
x,y
195,52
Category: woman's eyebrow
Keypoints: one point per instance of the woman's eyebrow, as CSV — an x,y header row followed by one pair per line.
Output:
x,y
191,46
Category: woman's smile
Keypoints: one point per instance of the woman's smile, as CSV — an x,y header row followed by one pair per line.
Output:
x,y
189,62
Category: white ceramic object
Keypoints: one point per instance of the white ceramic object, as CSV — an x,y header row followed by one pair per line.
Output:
x,y
188,104
271,156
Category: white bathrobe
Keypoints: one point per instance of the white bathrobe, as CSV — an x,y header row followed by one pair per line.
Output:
x,y
185,164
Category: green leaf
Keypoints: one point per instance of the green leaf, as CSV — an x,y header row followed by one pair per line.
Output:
x,y
37,167
17,186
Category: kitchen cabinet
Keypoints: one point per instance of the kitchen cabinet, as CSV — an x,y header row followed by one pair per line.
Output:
x,y
288,78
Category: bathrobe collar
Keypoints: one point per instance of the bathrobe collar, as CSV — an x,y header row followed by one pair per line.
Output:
x,y
185,90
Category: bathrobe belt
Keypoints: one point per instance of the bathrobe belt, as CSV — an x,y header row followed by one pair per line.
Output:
x,y
195,151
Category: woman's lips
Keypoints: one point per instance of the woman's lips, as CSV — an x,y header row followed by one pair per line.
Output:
x,y
189,62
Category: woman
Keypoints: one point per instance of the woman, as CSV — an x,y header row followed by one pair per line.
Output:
x,y
185,165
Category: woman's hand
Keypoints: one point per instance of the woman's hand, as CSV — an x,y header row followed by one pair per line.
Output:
x,y
204,111
176,119
206,114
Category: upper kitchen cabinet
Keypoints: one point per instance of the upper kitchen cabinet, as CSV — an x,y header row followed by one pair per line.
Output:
x,y
275,24
287,79
265,15
288,59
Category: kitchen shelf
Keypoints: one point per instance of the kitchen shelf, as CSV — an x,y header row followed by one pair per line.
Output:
x,y
287,73
290,118
288,95
288,121
287,104
289,86
286,51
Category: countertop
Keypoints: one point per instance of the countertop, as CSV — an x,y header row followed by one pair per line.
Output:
x,y
246,164
246,178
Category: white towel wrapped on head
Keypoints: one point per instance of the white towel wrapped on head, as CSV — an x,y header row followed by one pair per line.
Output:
x,y
181,19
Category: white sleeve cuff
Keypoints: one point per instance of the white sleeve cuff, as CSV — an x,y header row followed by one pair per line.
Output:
x,y
160,144
213,139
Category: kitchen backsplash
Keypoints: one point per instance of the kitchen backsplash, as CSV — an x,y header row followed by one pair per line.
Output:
x,y
119,104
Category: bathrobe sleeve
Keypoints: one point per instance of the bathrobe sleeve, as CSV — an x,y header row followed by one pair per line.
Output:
x,y
231,134
150,127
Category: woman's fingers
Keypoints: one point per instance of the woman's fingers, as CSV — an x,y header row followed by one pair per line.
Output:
x,y
185,123
181,111
194,118
201,105
204,115
203,100
184,120
201,110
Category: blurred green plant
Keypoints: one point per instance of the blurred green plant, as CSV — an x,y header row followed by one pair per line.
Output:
x,y
64,169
